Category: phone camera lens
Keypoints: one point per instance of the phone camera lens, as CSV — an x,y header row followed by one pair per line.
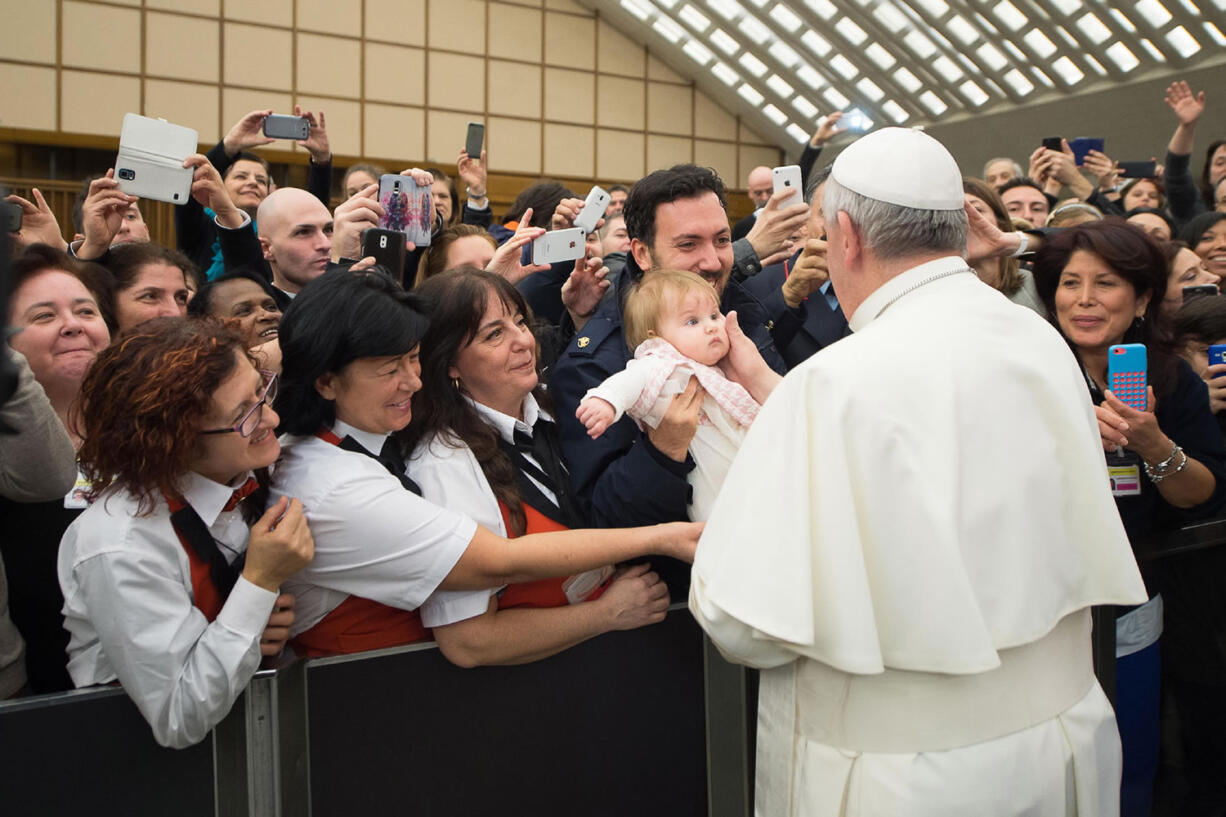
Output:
x,y
127,174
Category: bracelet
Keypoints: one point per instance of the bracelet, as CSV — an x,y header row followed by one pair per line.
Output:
x,y
1155,476
1021,247
1166,463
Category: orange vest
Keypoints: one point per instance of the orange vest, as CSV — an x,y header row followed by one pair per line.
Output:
x,y
205,594
542,592
358,625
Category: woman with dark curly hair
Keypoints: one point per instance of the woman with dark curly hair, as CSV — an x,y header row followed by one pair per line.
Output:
x,y
1104,284
169,577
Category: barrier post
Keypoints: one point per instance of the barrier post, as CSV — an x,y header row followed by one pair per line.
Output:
x,y
729,787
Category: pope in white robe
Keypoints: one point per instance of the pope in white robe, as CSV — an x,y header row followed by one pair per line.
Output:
x,y
911,538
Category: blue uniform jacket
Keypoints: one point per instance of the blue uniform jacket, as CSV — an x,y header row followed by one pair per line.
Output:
x,y
628,481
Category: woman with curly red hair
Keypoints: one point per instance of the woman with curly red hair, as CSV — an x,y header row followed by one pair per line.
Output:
x,y
169,577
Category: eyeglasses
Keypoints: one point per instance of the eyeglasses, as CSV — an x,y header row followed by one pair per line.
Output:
x,y
250,421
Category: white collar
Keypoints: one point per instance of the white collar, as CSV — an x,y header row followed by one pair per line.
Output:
x,y
207,497
899,285
505,424
369,440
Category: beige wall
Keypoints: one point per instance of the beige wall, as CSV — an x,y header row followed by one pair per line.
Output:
x,y
561,92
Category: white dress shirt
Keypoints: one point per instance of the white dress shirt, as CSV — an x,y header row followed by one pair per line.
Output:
x,y
373,539
448,473
128,609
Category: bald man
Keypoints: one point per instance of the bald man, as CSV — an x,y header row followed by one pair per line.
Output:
x,y
299,239
759,187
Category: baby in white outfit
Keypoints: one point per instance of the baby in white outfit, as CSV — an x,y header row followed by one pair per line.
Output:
x,y
673,323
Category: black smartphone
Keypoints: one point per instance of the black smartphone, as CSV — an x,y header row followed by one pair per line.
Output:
x,y
10,217
280,126
475,139
1053,143
387,247
1138,170
1199,290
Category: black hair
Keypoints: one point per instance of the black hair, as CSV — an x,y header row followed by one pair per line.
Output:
x,y
202,303
1201,319
1020,181
457,300
1198,226
543,198
1133,255
663,186
1207,189
1153,211
337,318
247,156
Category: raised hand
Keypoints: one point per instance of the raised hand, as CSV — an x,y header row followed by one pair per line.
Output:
x,y
1186,106
473,173
38,224
247,133
827,130
210,191
317,142
784,214
584,288
506,260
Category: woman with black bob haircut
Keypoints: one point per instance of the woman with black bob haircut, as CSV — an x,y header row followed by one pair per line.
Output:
x,y
1104,285
350,368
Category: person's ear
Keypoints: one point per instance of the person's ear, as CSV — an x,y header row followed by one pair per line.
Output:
x,y
1142,304
325,384
641,253
266,246
851,245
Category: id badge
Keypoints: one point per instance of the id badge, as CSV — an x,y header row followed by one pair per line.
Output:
x,y
1124,472
75,499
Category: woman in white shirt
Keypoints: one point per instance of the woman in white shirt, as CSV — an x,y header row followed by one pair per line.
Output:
x,y
169,578
486,445
350,368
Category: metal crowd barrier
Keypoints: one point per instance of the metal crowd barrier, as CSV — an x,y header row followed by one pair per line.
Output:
x,y
646,722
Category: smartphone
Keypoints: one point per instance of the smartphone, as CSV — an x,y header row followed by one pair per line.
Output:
x,y
1138,170
1082,145
1217,354
280,126
150,159
1126,373
1199,290
593,210
10,217
787,178
474,140
407,208
559,245
387,247
1053,143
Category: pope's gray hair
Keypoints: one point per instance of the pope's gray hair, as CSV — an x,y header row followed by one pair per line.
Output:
x,y
894,231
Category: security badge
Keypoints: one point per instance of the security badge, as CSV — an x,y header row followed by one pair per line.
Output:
x,y
1124,472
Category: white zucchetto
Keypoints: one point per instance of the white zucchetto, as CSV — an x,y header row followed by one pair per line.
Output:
x,y
901,166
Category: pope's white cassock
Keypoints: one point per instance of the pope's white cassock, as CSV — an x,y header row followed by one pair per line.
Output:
x,y
909,543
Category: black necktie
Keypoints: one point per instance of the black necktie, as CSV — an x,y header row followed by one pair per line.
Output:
x,y
389,456
542,445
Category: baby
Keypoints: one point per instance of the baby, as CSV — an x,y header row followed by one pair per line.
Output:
x,y
673,323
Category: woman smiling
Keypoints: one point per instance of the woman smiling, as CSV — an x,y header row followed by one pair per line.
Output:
x,y
350,360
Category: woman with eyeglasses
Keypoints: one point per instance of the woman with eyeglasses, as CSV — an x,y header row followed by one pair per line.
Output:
x,y
171,576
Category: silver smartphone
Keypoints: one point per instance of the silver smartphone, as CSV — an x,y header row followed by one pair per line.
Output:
x,y
150,159
280,126
559,245
593,210
788,178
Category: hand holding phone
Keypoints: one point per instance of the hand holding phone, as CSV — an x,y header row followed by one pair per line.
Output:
x,y
1126,370
474,140
1138,170
787,178
151,157
407,208
593,210
387,247
1054,143
1082,145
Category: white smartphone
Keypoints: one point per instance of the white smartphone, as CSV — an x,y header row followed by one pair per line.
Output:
x,y
150,159
593,210
559,245
787,178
